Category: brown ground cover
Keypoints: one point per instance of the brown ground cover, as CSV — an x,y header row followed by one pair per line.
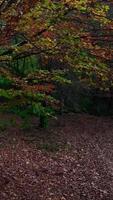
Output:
x,y
71,160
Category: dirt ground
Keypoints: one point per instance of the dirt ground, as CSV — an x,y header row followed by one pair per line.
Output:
x,y
71,160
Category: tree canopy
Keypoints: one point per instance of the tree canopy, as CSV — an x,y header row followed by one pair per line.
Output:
x,y
78,33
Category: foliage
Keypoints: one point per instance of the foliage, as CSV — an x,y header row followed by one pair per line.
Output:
x,y
52,29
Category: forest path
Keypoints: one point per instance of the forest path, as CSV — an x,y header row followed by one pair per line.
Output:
x,y
71,160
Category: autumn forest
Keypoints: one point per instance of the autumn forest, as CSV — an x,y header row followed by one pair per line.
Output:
x,y
56,100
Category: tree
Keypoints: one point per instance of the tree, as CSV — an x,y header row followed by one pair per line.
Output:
x,y
72,32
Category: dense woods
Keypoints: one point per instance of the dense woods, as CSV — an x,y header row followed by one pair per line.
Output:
x,y
56,100
49,45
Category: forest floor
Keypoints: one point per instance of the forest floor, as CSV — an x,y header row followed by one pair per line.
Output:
x,y
71,160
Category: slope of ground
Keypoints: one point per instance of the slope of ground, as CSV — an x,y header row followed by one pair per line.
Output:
x,y
71,160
